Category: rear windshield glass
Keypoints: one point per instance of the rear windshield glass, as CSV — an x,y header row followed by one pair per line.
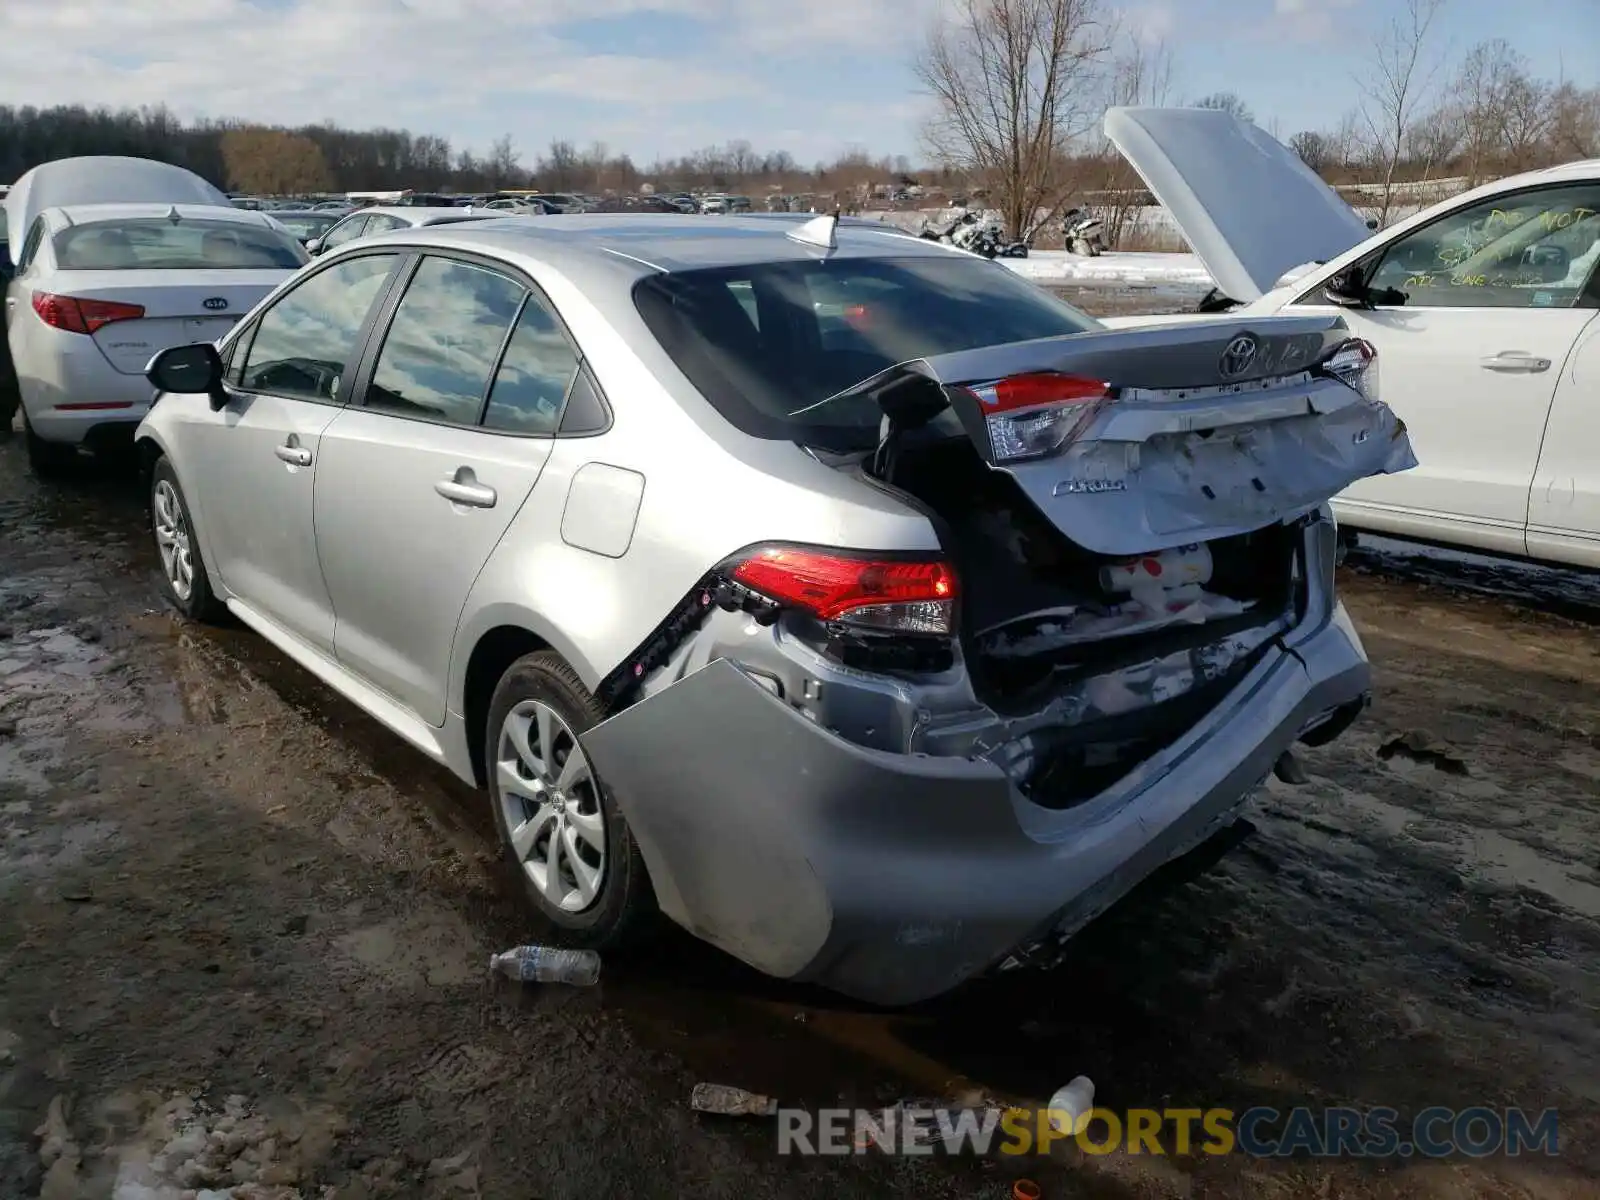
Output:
x,y
156,243
768,344
306,225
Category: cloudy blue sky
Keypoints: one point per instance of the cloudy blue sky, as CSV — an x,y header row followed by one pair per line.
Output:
x,y
665,76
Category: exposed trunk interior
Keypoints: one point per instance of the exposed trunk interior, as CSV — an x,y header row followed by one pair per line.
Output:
x,y
1038,620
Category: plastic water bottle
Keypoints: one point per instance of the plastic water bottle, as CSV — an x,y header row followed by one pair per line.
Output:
x,y
1070,1107
545,964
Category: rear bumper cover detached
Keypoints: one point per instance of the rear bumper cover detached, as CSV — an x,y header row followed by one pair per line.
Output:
x,y
892,878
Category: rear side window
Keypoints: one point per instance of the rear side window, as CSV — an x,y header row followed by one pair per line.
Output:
x,y
155,244
303,342
534,376
769,345
444,341
346,231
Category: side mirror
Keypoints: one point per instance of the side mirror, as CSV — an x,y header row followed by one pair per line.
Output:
x,y
189,370
314,246
1348,289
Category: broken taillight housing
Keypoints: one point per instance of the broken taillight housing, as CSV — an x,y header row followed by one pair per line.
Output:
x,y
1354,362
1036,414
889,595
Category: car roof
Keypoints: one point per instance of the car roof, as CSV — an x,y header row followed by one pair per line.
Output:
x,y
642,243
79,214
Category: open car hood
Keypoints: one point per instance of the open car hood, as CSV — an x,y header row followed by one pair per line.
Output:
x,y
1244,201
1187,444
103,179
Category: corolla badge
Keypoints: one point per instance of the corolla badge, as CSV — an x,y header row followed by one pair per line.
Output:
x,y
215,304
1239,356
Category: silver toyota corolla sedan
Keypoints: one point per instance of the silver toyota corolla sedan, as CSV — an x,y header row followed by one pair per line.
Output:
x,y
863,608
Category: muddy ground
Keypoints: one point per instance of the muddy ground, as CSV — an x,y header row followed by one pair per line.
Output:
x,y
231,904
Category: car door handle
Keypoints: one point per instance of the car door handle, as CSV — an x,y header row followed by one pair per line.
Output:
x,y
295,456
1515,361
464,488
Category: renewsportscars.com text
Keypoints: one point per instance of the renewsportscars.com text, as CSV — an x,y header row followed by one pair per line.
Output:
x,y
1263,1132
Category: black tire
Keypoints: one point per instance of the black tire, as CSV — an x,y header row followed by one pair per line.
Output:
x,y
625,903
49,460
10,393
201,604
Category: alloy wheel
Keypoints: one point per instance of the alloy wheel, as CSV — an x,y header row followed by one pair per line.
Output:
x,y
173,540
550,800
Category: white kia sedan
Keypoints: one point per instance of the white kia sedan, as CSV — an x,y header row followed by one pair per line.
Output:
x,y
100,288
115,259
1485,310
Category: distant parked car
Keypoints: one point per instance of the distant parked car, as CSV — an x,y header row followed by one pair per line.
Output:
x,y
519,204
305,223
561,202
714,204
101,287
380,219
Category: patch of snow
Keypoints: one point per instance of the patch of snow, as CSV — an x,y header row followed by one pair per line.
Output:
x,y
1057,268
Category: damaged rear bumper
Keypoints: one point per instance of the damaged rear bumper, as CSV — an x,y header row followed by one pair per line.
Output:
x,y
892,878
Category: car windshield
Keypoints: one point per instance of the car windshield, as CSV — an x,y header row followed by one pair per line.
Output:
x,y
768,344
159,243
306,225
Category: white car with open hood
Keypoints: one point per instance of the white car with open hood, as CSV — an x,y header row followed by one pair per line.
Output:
x,y
117,259
1485,310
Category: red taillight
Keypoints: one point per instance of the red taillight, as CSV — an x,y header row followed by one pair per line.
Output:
x,y
1031,415
72,314
893,595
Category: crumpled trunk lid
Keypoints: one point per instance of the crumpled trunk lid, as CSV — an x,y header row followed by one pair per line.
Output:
x,y
1212,429
1246,203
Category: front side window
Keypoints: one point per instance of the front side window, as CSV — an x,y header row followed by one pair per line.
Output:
x,y
444,341
534,374
1530,249
156,244
772,345
305,340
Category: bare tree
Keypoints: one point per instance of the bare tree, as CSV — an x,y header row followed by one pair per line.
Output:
x,y
1315,149
501,165
1482,86
1141,73
1528,117
1435,138
1228,102
1395,86
1574,122
1016,82
273,162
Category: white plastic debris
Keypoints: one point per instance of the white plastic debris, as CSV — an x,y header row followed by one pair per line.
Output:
x,y
1070,1106
545,964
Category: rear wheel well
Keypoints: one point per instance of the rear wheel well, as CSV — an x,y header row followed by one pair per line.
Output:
x,y
495,651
